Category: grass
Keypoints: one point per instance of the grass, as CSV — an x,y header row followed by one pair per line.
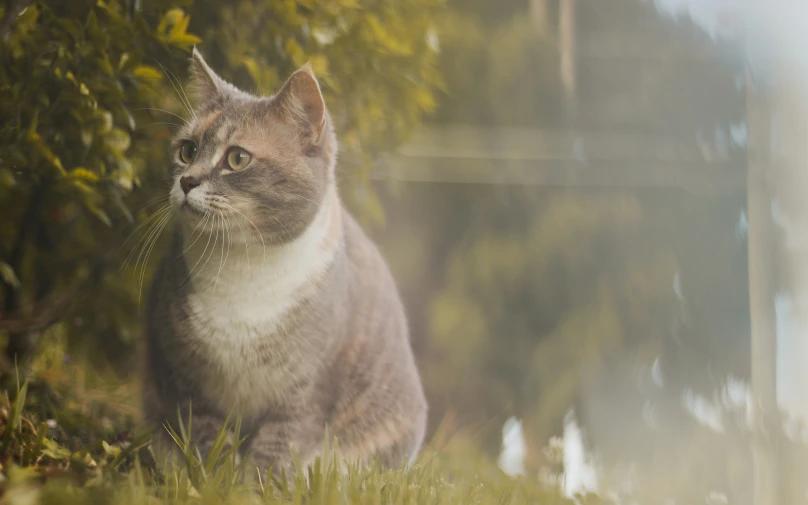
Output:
x,y
62,442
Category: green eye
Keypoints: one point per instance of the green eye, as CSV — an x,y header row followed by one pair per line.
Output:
x,y
187,152
238,158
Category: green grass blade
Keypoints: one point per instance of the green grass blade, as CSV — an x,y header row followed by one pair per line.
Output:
x,y
15,417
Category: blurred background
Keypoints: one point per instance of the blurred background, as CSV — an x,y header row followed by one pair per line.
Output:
x,y
593,208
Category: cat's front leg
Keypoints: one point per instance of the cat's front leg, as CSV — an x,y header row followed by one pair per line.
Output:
x,y
273,445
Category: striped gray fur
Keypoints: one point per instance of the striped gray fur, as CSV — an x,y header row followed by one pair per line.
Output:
x,y
271,302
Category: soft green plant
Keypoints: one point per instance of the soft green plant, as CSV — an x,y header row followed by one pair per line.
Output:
x,y
78,88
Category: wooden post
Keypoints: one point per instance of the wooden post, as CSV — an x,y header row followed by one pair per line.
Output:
x,y
538,13
567,40
789,183
765,443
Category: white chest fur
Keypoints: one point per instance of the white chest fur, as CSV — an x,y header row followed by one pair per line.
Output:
x,y
241,295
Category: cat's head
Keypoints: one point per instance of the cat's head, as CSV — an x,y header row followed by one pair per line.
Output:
x,y
264,162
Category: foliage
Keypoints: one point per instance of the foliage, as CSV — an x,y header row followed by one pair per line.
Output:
x,y
504,73
531,312
77,84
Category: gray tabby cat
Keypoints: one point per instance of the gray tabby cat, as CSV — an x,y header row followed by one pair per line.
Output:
x,y
271,301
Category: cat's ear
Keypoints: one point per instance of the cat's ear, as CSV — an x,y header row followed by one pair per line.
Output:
x,y
205,84
301,101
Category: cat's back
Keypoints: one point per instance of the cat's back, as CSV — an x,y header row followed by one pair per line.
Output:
x,y
379,392
375,290
379,339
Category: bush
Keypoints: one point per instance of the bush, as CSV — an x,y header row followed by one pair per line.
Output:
x,y
77,89
85,114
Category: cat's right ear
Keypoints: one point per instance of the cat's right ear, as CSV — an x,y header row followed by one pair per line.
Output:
x,y
205,84
302,102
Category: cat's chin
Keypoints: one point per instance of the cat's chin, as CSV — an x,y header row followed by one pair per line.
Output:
x,y
187,209
195,221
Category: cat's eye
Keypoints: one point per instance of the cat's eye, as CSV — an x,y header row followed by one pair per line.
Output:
x,y
187,152
238,158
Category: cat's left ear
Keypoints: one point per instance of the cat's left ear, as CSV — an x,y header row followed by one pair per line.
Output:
x,y
301,101
205,84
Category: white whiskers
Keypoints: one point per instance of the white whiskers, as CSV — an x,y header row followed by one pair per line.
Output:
x,y
258,231
155,225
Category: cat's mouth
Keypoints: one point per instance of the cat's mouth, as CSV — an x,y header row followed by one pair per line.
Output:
x,y
190,208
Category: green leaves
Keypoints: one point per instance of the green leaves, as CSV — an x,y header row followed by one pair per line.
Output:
x,y
38,145
173,29
83,174
80,94
8,276
147,73
54,451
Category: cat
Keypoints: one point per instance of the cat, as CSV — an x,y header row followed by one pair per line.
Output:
x,y
271,302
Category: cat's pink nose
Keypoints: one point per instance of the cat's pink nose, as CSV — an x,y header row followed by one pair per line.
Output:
x,y
187,183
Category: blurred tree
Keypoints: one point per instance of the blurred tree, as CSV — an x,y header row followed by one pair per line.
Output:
x,y
535,300
534,307
500,68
